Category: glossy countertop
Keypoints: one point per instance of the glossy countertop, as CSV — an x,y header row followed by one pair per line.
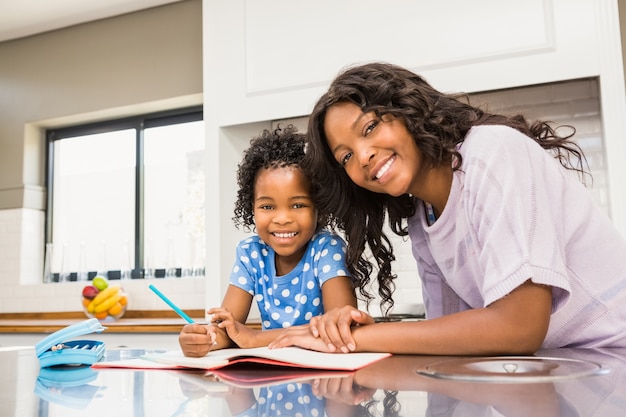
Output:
x,y
560,382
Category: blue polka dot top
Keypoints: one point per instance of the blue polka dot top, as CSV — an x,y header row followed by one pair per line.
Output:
x,y
294,298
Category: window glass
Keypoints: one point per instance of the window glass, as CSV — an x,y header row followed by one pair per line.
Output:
x,y
94,202
174,199
126,198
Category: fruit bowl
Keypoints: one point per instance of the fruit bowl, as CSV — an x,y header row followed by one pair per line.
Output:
x,y
103,300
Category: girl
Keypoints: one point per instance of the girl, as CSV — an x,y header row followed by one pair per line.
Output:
x,y
512,253
292,267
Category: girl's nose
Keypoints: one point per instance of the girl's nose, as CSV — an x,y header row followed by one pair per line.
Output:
x,y
281,217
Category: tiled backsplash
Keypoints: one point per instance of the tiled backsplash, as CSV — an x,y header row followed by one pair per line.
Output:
x,y
21,270
21,230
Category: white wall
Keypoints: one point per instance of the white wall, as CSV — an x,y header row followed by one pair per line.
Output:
x,y
267,61
575,103
127,65
281,55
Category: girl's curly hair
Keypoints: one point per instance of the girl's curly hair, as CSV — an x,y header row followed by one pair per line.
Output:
x,y
282,147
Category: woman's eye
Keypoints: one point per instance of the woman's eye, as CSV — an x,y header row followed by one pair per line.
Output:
x,y
345,158
370,127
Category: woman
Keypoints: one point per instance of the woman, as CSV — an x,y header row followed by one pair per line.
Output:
x,y
512,253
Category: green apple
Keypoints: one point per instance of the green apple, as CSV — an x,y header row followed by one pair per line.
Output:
x,y
100,282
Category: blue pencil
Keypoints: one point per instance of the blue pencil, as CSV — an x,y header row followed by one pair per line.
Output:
x,y
171,304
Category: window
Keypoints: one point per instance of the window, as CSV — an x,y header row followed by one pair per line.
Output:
x,y
126,198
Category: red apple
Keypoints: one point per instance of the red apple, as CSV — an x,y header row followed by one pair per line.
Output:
x,y
89,292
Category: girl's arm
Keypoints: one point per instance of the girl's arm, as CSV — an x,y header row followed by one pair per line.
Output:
x,y
338,292
230,321
239,334
196,340
236,304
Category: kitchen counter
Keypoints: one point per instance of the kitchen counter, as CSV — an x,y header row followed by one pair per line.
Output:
x,y
392,386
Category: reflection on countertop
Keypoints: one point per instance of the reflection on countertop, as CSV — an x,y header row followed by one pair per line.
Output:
x,y
392,386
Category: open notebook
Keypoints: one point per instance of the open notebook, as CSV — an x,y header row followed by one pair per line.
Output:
x,y
291,357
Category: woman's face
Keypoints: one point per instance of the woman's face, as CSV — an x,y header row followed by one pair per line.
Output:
x,y
378,155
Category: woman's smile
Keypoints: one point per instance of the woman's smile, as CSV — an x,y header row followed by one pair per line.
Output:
x,y
384,168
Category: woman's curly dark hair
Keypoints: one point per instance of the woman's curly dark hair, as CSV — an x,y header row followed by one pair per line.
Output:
x,y
436,121
271,149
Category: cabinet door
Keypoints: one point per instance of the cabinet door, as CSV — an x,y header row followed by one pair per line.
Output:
x,y
271,60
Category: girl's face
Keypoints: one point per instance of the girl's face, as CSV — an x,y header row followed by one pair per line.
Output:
x,y
284,215
378,155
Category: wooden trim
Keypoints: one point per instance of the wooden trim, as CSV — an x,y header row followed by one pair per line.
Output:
x,y
53,327
68,315
134,321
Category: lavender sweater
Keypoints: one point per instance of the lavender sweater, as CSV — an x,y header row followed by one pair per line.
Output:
x,y
515,214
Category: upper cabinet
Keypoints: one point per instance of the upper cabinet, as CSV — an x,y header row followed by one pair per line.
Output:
x,y
269,60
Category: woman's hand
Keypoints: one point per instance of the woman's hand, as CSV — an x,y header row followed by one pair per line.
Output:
x,y
196,340
299,336
342,390
335,327
330,332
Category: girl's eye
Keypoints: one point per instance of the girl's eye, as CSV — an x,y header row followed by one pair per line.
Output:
x,y
298,205
345,158
266,207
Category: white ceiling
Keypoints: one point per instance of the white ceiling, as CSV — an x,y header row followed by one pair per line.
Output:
x,y
20,18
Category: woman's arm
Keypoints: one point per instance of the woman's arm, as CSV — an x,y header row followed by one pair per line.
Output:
x,y
515,324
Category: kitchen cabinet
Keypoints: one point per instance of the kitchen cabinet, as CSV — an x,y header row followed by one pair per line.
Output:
x,y
271,60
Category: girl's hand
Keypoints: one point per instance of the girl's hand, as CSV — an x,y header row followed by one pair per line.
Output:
x,y
196,340
238,332
299,336
335,327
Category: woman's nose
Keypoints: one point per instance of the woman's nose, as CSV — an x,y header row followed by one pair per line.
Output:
x,y
365,155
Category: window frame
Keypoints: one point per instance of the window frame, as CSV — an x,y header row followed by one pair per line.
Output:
x,y
139,123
